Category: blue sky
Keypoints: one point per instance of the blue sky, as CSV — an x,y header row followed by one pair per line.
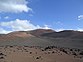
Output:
x,y
54,14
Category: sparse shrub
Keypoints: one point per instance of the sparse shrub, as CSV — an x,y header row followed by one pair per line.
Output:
x,y
49,47
78,50
30,52
81,53
73,53
42,50
64,51
37,57
71,49
1,54
1,57
11,46
53,52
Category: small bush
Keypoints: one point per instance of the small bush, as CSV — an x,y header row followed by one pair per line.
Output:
x,y
71,49
81,53
37,57
1,54
1,57
73,53
64,51
53,52
30,52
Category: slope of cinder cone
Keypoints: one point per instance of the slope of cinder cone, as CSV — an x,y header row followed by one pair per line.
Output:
x,y
39,32
15,35
20,34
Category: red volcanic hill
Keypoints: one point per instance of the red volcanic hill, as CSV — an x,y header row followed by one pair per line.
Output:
x,y
14,35
40,32
24,34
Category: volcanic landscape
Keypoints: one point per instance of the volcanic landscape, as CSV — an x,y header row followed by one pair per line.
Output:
x,y
42,45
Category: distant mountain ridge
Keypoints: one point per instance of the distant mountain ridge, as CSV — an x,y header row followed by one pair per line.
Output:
x,y
45,33
65,34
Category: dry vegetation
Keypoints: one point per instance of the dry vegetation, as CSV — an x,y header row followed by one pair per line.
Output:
x,y
38,54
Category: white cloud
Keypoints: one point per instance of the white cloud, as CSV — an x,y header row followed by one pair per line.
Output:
x,y
46,27
19,25
80,29
14,6
2,31
61,29
80,17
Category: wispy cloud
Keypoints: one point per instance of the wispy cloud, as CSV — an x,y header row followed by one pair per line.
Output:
x,y
80,17
19,25
6,17
31,15
59,23
14,6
